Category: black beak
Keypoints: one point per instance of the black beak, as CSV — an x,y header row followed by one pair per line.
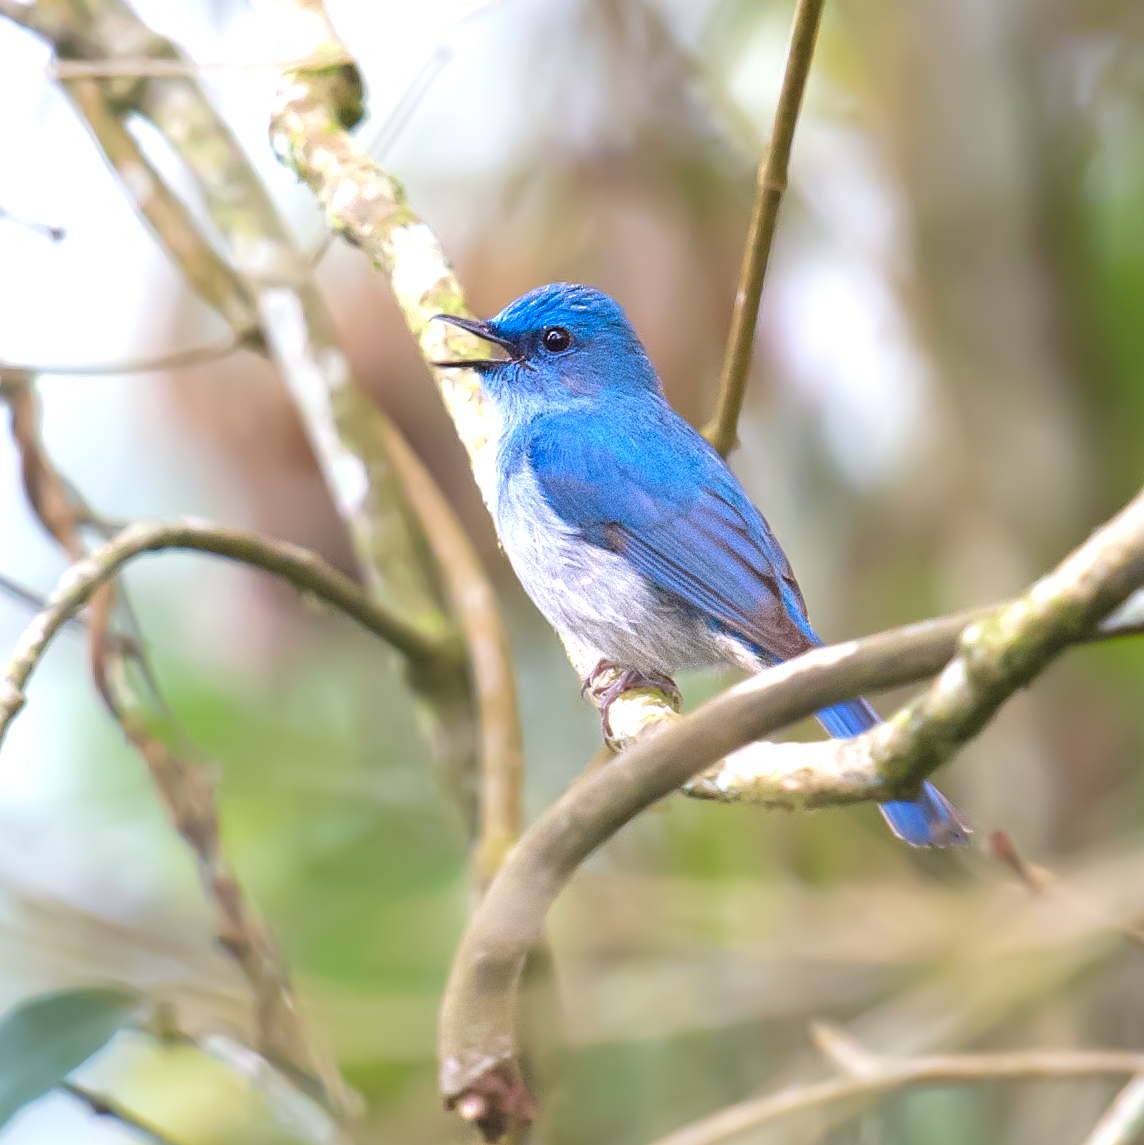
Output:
x,y
482,331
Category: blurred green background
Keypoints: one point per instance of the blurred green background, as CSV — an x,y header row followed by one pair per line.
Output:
x,y
948,394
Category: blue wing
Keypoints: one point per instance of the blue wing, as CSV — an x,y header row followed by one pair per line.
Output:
x,y
646,485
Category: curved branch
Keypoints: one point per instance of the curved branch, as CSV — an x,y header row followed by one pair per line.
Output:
x,y
996,656
303,570
772,182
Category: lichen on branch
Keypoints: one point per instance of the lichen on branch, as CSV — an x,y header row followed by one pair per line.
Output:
x,y
368,207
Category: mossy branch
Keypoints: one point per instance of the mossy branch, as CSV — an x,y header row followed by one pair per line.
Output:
x,y
995,656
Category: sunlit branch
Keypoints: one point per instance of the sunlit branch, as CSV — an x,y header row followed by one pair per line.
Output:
x,y
772,183
995,656
369,207
346,429
176,360
410,99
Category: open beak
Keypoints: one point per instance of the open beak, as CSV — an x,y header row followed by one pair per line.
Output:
x,y
482,331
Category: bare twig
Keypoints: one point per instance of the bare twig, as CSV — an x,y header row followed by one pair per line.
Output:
x,y
177,360
151,68
885,1075
303,570
473,602
1124,1121
209,276
53,234
187,791
1042,881
772,182
996,656
396,121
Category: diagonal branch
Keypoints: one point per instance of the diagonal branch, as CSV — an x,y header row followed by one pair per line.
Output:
x,y
369,207
882,1075
996,656
211,278
772,183
1124,1121
348,433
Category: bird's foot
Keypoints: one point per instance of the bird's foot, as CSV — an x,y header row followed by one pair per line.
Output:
x,y
624,680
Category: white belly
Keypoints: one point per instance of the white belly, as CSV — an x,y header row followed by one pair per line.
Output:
x,y
593,596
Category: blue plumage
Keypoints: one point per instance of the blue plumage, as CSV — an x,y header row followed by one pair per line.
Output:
x,y
627,529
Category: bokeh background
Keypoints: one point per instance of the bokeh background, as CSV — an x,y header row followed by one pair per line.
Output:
x,y
947,395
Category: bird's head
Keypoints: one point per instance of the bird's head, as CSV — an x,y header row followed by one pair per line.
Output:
x,y
562,344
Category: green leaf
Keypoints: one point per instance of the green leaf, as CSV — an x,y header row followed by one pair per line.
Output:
x,y
44,1039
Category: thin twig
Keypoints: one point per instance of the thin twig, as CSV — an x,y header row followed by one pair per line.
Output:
x,y
721,431
473,602
996,656
407,103
52,234
105,1107
889,1074
1123,1123
303,570
176,360
151,68
210,277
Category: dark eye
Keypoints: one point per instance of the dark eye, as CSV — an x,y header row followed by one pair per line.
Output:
x,y
555,339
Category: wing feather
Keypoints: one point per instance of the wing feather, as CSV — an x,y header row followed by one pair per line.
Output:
x,y
663,498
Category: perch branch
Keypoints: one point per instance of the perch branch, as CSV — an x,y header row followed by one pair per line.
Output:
x,y
721,432
996,656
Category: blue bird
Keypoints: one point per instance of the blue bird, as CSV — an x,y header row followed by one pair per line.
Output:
x,y
627,529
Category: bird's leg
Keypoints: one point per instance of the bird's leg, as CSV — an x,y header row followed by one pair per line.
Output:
x,y
625,680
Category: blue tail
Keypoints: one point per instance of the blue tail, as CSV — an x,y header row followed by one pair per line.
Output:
x,y
931,820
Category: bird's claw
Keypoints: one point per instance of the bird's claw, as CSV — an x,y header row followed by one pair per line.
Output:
x,y
626,680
